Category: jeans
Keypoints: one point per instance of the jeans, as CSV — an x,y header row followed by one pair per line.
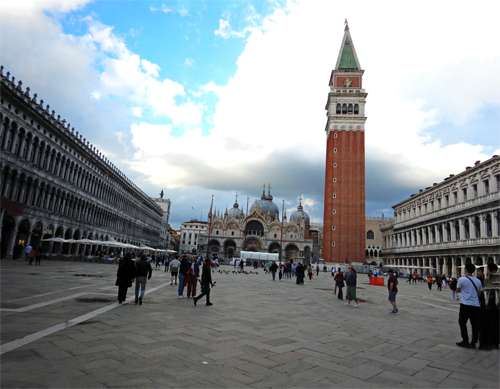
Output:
x,y
181,284
140,282
274,275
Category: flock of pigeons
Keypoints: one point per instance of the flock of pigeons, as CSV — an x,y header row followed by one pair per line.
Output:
x,y
236,272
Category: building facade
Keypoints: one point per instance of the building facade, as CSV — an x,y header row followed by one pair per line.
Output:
x,y
447,225
189,236
344,207
55,183
262,230
374,239
165,236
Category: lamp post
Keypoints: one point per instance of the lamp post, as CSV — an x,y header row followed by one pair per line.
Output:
x,y
209,228
281,240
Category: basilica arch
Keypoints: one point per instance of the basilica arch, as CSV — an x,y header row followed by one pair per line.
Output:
x,y
253,244
291,253
229,248
214,247
274,247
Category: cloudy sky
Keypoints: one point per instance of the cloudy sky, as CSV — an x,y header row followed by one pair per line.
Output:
x,y
201,98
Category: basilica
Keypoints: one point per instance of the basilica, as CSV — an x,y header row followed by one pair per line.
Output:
x,y
262,230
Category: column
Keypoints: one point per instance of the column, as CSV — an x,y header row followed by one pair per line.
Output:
x,y
11,243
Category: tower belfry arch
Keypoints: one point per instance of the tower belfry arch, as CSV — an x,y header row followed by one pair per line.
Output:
x,y
344,203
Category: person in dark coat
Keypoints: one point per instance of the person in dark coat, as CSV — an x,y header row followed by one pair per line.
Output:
x,y
300,273
125,276
339,282
206,283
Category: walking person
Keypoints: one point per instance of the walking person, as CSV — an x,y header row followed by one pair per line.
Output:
x,y
392,286
439,282
174,270
430,281
453,287
166,263
27,252
339,283
31,256
241,265
300,272
183,269
309,272
351,287
317,270
280,276
206,283
125,276
143,272
469,288
193,275
38,256
273,268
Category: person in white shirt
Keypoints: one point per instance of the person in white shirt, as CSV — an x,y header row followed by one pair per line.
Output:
x,y
469,288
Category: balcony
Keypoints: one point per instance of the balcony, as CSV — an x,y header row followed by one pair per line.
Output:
x,y
466,243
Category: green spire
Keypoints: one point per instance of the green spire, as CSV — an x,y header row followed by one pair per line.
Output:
x,y
347,58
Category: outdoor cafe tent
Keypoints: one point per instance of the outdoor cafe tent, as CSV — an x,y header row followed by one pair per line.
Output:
x,y
59,240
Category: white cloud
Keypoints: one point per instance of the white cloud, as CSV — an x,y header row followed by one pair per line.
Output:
x,y
189,62
166,10
163,9
274,103
424,70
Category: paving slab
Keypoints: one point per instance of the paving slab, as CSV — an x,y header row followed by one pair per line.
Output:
x,y
258,333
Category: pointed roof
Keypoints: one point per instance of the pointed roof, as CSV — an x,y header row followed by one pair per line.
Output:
x,y
347,58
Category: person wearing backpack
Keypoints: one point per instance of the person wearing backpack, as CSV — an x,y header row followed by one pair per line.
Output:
x,y
453,287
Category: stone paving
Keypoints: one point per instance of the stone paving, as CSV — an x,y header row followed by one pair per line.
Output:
x,y
258,334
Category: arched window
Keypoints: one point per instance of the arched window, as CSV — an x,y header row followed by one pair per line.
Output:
x,y
344,109
350,109
370,235
356,109
338,109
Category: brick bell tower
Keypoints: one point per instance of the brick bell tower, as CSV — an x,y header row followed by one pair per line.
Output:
x,y
344,214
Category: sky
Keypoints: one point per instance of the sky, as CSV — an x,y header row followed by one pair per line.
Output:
x,y
202,98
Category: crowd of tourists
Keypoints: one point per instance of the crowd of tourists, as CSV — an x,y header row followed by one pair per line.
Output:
x,y
184,272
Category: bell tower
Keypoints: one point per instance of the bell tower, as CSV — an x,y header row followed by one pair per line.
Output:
x,y
344,213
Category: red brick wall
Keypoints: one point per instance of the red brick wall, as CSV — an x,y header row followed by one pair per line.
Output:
x,y
356,81
349,204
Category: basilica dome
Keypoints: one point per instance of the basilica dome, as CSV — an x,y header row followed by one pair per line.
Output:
x,y
297,216
234,212
265,207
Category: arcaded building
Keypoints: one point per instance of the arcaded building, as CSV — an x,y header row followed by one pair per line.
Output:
x,y
448,224
344,203
54,183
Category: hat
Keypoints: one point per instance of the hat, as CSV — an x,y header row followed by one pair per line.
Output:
x,y
390,271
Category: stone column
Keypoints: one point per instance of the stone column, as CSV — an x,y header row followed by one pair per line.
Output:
x,y
482,222
494,224
11,243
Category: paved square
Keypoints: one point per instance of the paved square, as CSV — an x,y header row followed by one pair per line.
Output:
x,y
258,333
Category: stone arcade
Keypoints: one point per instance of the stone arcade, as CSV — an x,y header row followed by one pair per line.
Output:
x,y
56,184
